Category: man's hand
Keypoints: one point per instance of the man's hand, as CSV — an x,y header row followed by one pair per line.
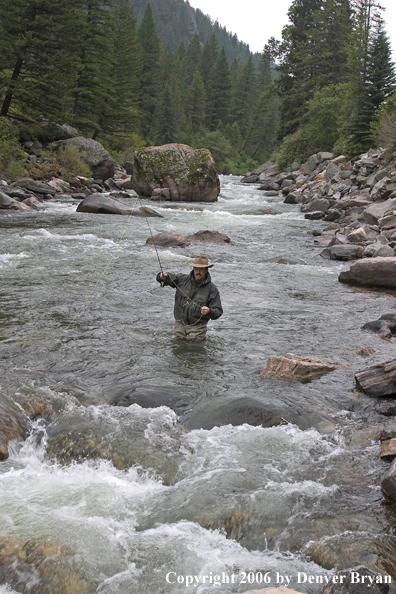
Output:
x,y
205,310
163,275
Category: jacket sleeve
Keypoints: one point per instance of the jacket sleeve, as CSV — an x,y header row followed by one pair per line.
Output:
x,y
168,282
214,304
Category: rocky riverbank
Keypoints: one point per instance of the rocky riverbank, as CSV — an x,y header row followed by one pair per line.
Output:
x,y
357,198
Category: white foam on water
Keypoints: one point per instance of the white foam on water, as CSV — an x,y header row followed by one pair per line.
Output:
x,y
12,259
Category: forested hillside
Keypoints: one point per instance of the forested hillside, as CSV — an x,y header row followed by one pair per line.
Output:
x,y
176,22
92,65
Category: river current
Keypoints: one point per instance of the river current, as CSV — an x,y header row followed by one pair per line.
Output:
x,y
250,480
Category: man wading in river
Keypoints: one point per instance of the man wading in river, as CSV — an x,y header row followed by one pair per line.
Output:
x,y
197,300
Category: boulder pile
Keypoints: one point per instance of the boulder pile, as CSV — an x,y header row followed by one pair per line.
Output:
x,y
357,198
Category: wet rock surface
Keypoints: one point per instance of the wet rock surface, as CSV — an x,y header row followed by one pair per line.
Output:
x,y
100,204
39,567
296,368
378,380
357,580
13,425
169,239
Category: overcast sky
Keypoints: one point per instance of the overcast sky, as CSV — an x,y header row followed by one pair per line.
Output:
x,y
255,21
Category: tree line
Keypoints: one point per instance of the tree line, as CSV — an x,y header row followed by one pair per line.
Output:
x,y
88,63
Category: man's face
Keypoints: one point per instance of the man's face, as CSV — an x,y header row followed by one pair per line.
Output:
x,y
199,274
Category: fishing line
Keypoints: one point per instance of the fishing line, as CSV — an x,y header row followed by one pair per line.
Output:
x,y
102,275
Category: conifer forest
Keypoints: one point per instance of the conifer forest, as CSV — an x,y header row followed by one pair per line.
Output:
x,y
133,73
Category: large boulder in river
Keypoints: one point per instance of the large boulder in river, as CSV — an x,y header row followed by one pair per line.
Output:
x,y
189,174
295,368
99,204
95,156
371,272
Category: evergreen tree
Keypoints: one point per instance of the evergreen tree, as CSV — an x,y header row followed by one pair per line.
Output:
x,y
358,112
218,93
39,62
196,102
244,96
150,44
121,113
208,59
191,60
260,138
380,68
96,59
312,55
168,116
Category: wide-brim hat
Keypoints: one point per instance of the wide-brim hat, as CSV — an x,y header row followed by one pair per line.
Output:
x,y
200,262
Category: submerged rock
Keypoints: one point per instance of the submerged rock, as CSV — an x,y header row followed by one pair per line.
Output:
x,y
169,239
295,368
357,580
39,567
13,425
385,326
188,174
209,236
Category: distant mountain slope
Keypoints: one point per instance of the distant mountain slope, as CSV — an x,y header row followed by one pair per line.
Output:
x,y
177,21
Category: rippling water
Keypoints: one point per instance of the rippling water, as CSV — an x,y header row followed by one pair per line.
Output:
x,y
256,475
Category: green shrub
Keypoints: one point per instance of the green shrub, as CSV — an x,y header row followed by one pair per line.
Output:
x,y
15,170
10,149
69,157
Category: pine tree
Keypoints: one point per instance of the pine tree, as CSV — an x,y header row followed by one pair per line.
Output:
x,y
218,92
196,102
151,45
260,138
40,60
121,112
380,68
191,60
358,112
244,96
96,59
313,55
208,59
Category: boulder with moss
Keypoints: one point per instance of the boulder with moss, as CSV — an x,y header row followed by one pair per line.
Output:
x,y
189,174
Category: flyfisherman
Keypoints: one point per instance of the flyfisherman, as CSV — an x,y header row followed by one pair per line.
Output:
x,y
197,300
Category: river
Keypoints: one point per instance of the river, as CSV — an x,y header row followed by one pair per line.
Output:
x,y
259,479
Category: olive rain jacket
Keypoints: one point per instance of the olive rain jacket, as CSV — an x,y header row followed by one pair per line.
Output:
x,y
191,296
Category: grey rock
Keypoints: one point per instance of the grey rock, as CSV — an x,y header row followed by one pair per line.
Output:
x,y
338,239
358,235
375,212
332,170
34,185
100,204
95,156
333,214
371,272
169,239
346,252
6,201
321,204
314,216
310,165
269,168
209,236
381,174
385,326
324,156
388,483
